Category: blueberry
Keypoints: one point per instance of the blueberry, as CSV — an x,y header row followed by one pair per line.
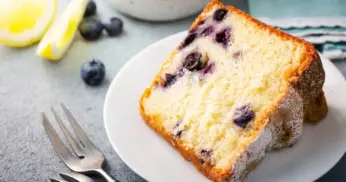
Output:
x,y
188,40
177,123
90,9
91,29
220,14
115,27
93,72
237,55
180,72
170,79
243,115
207,31
193,61
205,155
223,36
178,134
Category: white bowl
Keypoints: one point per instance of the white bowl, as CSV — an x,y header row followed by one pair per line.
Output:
x,y
158,10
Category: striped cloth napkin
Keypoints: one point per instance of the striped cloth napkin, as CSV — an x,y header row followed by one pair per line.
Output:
x,y
320,22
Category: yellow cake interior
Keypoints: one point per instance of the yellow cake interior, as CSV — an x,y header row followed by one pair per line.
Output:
x,y
249,71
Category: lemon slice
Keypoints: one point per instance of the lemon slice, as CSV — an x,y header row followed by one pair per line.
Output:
x,y
23,22
57,40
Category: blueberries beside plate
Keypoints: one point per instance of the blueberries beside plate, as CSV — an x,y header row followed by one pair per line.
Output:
x,y
91,27
115,27
93,72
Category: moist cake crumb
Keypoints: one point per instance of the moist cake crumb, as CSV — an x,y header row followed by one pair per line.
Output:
x,y
231,91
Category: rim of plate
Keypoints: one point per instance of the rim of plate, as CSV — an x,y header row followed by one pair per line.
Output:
x,y
336,72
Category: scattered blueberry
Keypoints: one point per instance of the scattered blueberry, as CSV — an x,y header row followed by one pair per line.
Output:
x,y
220,14
207,31
205,152
209,69
90,9
188,40
115,27
243,115
91,28
93,72
193,61
170,79
223,36
205,155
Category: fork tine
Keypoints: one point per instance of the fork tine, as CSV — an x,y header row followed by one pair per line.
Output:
x,y
75,177
71,141
56,180
76,127
58,145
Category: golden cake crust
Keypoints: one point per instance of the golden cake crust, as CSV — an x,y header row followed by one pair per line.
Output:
x,y
281,124
316,109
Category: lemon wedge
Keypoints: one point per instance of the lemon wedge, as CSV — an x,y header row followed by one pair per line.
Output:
x,y
24,22
58,38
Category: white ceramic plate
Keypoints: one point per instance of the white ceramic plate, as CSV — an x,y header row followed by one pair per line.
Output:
x,y
152,158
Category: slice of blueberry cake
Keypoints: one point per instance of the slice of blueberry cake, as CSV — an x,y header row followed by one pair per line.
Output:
x,y
234,89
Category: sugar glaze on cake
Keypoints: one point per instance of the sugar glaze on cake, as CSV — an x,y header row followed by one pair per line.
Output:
x,y
225,96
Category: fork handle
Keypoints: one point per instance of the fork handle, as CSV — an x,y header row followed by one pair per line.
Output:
x,y
106,175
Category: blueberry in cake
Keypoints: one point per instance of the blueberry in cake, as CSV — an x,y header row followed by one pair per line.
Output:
x,y
234,89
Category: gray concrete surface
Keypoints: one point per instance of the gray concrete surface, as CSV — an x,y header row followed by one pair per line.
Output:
x,y
29,84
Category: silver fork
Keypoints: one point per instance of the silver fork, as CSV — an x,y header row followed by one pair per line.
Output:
x,y
84,156
72,176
